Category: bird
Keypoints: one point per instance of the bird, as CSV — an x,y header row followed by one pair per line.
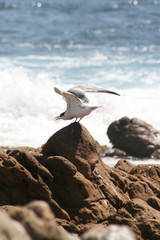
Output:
x,y
77,102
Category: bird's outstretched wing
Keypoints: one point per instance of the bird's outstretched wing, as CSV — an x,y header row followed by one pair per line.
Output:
x,y
79,91
71,100
58,91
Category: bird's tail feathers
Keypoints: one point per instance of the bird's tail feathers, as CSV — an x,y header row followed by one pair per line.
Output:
x,y
95,107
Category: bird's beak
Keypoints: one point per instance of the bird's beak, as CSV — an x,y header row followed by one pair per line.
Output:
x,y
57,118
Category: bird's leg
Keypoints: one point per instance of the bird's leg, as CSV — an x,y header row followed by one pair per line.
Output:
x,y
79,120
76,120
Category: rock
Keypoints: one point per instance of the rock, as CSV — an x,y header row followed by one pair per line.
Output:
x,y
80,189
154,202
76,144
112,232
11,229
156,154
140,190
103,149
24,179
124,165
39,222
141,212
148,173
3,154
134,136
70,187
116,153
146,218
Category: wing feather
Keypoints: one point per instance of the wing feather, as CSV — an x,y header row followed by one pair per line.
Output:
x,y
71,100
58,91
96,89
76,95
80,91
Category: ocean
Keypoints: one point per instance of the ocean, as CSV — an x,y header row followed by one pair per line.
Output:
x,y
65,43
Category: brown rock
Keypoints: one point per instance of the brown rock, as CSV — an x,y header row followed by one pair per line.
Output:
x,y
23,179
134,136
154,202
146,218
124,165
140,217
80,189
73,190
150,174
103,149
76,144
139,190
156,154
141,212
115,153
3,154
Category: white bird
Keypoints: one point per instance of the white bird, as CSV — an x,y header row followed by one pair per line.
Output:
x,y
76,100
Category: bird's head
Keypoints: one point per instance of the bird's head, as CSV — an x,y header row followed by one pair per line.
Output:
x,y
61,116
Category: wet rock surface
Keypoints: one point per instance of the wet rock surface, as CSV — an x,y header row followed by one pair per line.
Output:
x,y
69,175
135,137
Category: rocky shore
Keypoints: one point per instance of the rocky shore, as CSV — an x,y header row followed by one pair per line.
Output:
x,y
63,190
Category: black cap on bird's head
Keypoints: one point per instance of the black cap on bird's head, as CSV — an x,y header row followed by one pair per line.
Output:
x,y
61,116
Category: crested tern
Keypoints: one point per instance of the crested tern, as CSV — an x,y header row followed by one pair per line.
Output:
x,y
76,100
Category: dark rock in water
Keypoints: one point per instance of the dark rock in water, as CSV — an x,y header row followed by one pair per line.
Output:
x,y
156,154
81,190
116,153
103,149
134,136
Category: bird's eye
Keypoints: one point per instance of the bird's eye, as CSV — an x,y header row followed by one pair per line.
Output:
x,y
62,114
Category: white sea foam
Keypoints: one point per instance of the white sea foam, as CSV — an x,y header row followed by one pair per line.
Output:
x,y
29,104
111,161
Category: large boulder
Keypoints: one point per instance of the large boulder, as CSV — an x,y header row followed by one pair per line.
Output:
x,y
75,143
72,158
135,137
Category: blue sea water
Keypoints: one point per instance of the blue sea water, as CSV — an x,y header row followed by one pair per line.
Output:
x,y
112,44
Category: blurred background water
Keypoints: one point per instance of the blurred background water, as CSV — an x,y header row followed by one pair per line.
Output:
x,y
63,43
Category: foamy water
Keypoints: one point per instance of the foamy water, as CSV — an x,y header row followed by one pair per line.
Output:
x,y
29,104
43,44
112,161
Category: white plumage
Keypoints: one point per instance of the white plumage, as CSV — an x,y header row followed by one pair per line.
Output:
x,y
76,102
